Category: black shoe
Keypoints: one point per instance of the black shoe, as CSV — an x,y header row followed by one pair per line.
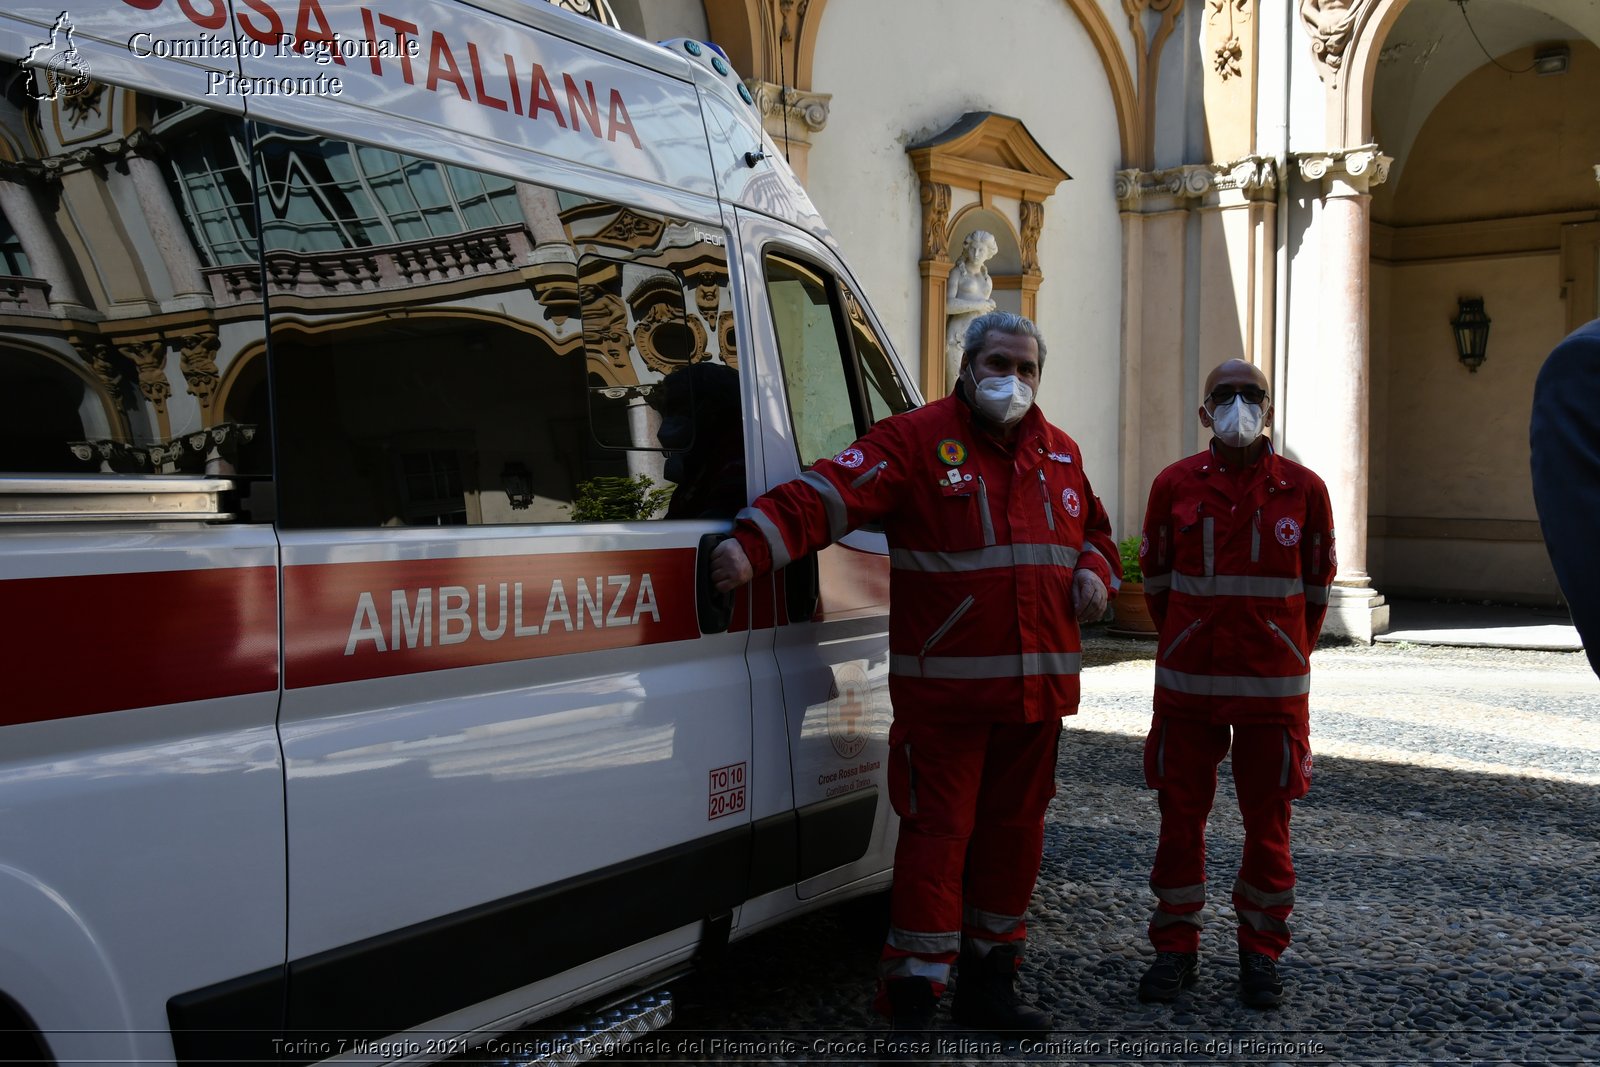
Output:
x,y
1259,986
986,995
1169,975
911,1004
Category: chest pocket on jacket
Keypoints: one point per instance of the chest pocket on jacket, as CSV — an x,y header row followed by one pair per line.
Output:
x,y
1277,535
963,517
1194,539
1062,501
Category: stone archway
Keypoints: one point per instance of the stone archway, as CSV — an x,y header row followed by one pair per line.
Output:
x,y
1385,285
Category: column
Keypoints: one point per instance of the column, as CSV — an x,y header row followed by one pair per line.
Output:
x,y
166,226
1338,451
44,258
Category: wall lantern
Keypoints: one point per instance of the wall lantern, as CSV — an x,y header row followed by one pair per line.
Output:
x,y
518,484
1471,327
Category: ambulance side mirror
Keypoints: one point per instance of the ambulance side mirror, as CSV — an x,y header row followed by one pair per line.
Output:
x,y
714,609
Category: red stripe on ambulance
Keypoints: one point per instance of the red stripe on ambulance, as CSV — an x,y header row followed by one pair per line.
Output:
x,y
351,621
86,644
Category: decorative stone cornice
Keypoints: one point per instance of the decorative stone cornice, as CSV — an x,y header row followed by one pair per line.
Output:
x,y
806,111
1346,170
1252,178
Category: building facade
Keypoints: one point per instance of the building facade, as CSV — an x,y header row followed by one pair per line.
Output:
x,y
1313,185
1317,186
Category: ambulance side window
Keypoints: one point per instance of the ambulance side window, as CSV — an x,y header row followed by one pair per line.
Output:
x,y
454,347
837,376
130,287
886,393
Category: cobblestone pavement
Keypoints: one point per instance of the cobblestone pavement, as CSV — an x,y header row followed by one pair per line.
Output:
x,y
1449,882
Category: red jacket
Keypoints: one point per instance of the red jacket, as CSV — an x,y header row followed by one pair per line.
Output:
x,y
984,540
1237,565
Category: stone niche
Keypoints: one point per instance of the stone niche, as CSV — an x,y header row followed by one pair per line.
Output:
x,y
986,172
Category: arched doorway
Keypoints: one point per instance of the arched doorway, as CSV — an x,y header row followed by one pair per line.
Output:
x,y
1492,195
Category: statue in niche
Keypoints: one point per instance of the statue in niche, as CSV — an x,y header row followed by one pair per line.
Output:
x,y
967,296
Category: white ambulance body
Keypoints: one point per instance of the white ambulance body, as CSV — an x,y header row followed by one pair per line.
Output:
x,y
357,684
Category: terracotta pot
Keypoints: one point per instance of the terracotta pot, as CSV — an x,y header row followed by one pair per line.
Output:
x,y
1132,615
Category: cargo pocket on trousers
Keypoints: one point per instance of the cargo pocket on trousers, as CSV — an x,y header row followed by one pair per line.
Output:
x,y
1294,777
1155,755
902,780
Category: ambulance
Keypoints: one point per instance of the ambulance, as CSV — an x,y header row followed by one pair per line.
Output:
x,y
376,377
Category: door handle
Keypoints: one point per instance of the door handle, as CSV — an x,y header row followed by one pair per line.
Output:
x,y
714,609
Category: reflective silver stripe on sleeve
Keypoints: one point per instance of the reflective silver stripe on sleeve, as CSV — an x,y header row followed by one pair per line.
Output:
x,y
1317,594
1232,685
775,545
980,559
1260,920
1159,583
1209,536
1237,585
982,667
1183,894
1261,899
912,941
871,474
989,922
832,503
1116,583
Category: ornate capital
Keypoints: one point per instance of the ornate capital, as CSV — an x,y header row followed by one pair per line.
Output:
x,y
1253,177
806,111
1357,170
1331,24
935,219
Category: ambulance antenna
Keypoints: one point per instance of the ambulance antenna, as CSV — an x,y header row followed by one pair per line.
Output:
x,y
783,93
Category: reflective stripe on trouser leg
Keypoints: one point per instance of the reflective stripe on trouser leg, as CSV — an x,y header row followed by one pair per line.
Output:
x,y
1177,906
1186,787
984,930
1019,778
1263,894
926,902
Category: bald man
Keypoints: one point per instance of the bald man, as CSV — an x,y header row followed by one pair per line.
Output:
x,y
1237,552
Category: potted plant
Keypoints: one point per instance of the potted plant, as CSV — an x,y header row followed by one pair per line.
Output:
x,y
1132,617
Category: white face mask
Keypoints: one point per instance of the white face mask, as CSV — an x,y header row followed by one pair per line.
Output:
x,y
1003,400
1237,423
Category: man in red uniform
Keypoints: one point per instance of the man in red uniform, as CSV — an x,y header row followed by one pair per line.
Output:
x,y
1237,553
998,547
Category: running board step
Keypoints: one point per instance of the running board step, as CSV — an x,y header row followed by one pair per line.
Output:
x,y
604,1032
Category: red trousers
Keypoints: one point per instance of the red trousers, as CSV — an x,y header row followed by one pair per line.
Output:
x,y
971,799
1271,768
